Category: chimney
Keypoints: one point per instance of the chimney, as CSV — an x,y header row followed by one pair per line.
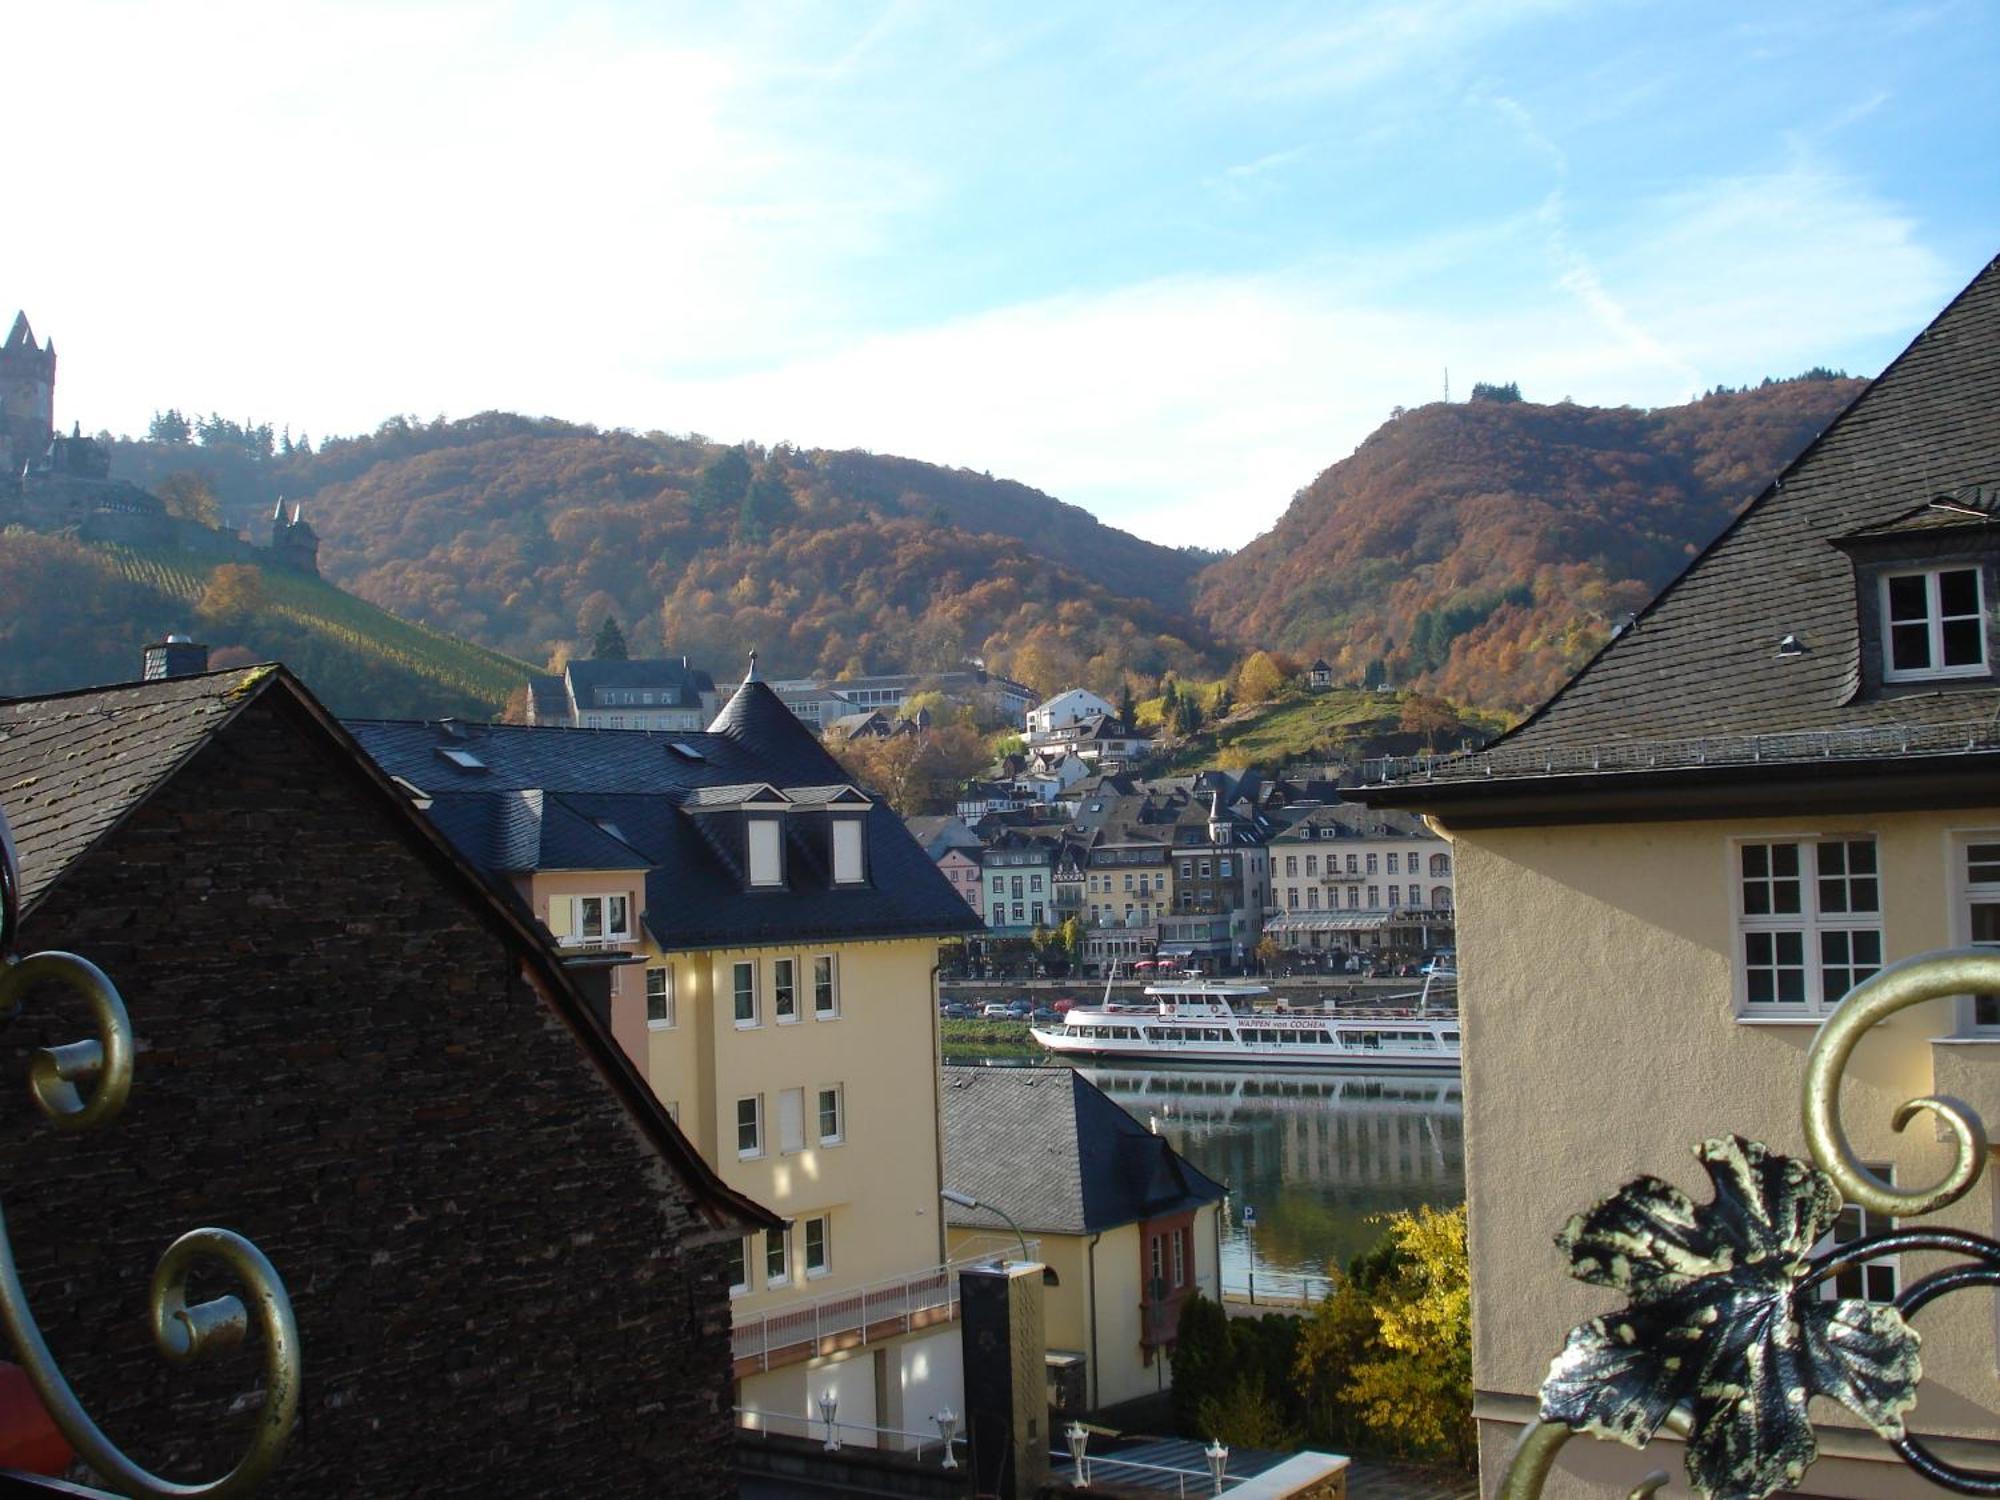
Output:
x,y
177,656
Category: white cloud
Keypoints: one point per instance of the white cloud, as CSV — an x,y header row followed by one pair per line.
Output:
x,y
1190,409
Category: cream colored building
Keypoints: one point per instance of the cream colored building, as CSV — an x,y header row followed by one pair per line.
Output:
x,y
1783,776
764,939
1129,1227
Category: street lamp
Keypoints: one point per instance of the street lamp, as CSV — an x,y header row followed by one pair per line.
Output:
x,y
966,1200
1079,1439
829,1403
1218,1462
947,1426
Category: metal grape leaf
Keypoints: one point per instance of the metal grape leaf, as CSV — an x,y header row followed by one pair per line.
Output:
x,y
1719,1321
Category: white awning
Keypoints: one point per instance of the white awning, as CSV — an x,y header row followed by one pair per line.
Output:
x,y
1328,921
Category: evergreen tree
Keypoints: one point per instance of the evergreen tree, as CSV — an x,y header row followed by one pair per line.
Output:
x,y
610,642
170,426
721,489
1127,708
766,506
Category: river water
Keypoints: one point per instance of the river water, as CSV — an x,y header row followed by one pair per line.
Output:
x,y
1311,1157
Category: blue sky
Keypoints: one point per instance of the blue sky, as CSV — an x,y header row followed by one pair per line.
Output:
x,y
1164,261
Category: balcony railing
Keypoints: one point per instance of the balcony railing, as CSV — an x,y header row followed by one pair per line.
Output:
x,y
853,1318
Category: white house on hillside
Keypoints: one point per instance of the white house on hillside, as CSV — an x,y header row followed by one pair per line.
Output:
x,y
1071,707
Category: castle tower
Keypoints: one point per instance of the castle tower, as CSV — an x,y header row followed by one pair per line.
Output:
x,y
27,398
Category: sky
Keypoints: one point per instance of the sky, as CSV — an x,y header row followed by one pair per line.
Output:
x,y
1164,261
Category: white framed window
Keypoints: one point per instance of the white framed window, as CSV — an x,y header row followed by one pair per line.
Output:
x,y
819,1246
1393,861
1809,923
1977,860
766,858
739,1267
591,919
777,1257
792,1120
659,998
832,1114
750,1125
743,991
1933,624
1180,1257
826,987
1871,1280
785,990
847,867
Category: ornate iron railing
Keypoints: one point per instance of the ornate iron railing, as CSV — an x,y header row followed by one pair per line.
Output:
x,y
1728,1334
182,1333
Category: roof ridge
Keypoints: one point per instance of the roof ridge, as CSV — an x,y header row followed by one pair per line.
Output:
x,y
1758,503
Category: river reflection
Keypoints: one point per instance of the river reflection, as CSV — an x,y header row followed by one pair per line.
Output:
x,y
1314,1154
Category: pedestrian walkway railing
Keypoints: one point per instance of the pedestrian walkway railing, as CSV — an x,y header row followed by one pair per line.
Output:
x,y
1276,1289
854,1317
834,1435
1164,1478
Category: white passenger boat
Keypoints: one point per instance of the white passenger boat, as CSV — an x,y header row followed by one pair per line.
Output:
x,y
1197,1020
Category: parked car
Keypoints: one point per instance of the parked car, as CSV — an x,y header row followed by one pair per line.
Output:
x,y
996,1010
1062,1006
1042,1015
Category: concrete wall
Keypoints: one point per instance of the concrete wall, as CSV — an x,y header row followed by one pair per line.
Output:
x,y
1602,1043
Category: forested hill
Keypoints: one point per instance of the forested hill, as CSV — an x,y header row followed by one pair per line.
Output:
x,y
523,534
1484,550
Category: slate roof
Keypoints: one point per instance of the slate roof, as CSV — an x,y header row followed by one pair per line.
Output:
x,y
665,808
1702,660
662,674
551,699
941,832
1350,820
1051,1148
73,766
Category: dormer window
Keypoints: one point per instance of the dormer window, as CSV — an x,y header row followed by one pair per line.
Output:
x,y
847,863
767,865
1933,624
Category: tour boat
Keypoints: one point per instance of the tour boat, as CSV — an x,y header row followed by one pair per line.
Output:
x,y
1196,1020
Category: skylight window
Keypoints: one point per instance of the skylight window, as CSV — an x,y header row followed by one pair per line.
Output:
x,y
686,751
465,760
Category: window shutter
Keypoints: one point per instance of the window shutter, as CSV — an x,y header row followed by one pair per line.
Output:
x,y
792,1120
765,868
561,918
846,850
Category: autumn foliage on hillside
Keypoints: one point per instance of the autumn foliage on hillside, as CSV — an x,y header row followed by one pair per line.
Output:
x,y
1483,551
524,534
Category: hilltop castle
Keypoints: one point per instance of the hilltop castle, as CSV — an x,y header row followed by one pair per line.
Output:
x,y
52,483
27,398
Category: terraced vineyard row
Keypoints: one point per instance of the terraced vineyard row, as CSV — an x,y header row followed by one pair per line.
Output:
x,y
315,609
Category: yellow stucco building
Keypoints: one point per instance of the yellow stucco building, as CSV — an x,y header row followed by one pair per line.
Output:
x,y
1784,776
1130,1228
763,939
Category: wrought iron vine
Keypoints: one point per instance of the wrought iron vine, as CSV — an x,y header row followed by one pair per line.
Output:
x,y
180,1331
1728,1333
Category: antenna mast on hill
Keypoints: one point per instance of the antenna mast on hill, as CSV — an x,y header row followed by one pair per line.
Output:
x,y
1447,385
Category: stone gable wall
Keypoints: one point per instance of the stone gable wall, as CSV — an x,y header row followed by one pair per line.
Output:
x,y
501,1289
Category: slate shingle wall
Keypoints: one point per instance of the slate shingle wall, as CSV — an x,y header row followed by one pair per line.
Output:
x,y
489,1266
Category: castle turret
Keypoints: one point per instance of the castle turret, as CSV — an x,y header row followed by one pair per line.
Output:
x,y
294,544
27,398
